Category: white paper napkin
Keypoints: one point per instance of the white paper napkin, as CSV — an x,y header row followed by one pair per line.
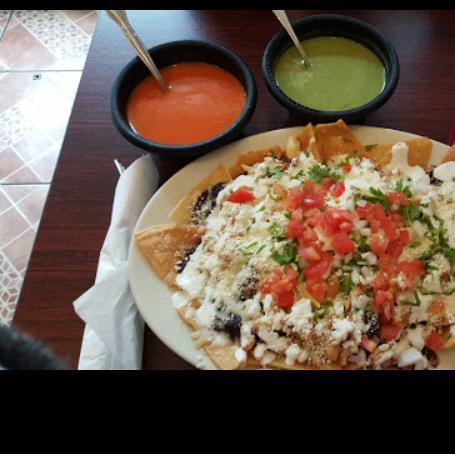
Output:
x,y
113,336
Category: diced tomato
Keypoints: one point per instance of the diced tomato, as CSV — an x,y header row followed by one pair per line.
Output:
x,y
279,190
404,236
294,198
381,282
295,229
333,287
363,211
381,297
368,344
378,243
397,218
308,197
346,168
312,201
285,300
281,286
309,253
438,307
317,289
342,243
377,217
412,270
412,267
390,228
309,236
338,189
383,303
390,330
434,342
395,248
241,195
320,269
327,183
297,214
397,197
331,221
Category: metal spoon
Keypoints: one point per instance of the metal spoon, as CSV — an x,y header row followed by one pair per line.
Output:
x,y
119,16
283,18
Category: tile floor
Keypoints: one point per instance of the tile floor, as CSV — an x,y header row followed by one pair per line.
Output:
x,y
42,56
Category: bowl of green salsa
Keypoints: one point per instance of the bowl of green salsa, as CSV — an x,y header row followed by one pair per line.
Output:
x,y
353,70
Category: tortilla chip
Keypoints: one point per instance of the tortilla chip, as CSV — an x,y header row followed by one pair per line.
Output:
x,y
164,245
418,155
191,322
301,142
450,343
253,157
380,154
450,155
334,139
223,356
181,214
281,364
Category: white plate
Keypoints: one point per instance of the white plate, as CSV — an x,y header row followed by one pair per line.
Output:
x,y
153,298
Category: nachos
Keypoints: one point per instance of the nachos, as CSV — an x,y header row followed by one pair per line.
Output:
x,y
327,254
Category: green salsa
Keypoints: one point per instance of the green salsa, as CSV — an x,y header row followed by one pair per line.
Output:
x,y
343,74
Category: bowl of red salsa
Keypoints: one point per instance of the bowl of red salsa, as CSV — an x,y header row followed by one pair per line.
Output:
x,y
212,97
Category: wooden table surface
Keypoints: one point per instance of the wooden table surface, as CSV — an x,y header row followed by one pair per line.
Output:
x,y
78,208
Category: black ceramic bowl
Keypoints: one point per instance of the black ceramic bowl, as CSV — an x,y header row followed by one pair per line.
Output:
x,y
169,54
341,26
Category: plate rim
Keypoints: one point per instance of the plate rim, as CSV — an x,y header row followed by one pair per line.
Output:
x,y
171,180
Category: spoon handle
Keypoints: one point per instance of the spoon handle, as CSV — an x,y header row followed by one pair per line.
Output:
x,y
120,17
283,18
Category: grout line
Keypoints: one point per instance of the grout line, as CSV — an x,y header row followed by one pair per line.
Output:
x,y
7,23
40,70
39,39
25,184
17,237
83,17
11,264
17,170
23,198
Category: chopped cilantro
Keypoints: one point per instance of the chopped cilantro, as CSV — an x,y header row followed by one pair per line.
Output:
x,y
247,251
416,302
346,284
400,187
276,172
318,172
411,212
440,245
260,249
287,256
261,209
298,175
277,231
307,154
287,215
377,196
362,244
445,292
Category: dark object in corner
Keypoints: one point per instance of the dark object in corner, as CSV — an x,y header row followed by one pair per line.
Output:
x,y
20,352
